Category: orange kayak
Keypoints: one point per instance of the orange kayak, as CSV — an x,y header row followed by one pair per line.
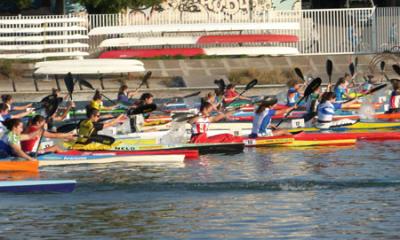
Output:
x,y
22,166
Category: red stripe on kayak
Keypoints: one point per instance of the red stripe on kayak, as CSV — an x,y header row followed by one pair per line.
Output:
x,y
368,136
149,53
189,154
247,38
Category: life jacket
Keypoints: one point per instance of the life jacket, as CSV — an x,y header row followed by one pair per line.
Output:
x,y
326,111
31,144
200,126
262,121
98,104
85,131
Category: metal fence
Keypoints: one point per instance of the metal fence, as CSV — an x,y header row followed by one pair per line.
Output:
x,y
328,31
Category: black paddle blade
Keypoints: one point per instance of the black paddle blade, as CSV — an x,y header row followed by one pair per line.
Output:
x,y
147,76
356,62
299,73
382,66
329,67
351,68
251,84
220,83
142,109
376,89
192,94
86,83
69,83
396,68
67,128
314,84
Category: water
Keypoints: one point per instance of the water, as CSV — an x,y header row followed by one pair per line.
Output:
x,y
332,193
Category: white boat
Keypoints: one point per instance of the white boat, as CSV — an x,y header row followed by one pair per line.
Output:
x,y
43,21
40,47
43,38
148,41
43,55
251,51
59,160
202,27
89,62
42,29
109,69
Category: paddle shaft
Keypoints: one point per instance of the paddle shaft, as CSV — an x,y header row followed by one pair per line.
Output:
x,y
291,110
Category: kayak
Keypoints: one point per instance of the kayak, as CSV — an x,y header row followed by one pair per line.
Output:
x,y
189,154
18,166
64,186
61,159
126,145
357,125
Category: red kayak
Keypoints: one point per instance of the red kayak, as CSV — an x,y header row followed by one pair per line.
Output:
x,y
366,136
189,154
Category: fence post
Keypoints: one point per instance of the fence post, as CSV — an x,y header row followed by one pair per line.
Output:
x,y
374,31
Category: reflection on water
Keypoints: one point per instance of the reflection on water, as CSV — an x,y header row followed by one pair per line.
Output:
x,y
313,193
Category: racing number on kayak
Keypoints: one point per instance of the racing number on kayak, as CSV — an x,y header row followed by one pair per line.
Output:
x,y
249,142
298,123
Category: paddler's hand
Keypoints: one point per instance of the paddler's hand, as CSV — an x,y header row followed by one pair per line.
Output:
x,y
71,104
273,127
70,136
121,118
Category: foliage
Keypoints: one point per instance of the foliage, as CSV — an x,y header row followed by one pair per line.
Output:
x,y
23,3
276,76
116,6
6,68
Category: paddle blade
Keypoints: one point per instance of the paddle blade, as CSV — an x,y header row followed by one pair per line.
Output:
x,y
142,109
314,84
220,83
192,94
351,68
86,83
329,67
382,66
396,68
356,62
147,76
69,83
67,128
251,84
376,89
299,73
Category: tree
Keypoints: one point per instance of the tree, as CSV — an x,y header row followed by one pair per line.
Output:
x,y
115,6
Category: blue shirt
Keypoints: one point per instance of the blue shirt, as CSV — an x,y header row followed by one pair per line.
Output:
x,y
326,111
123,98
339,91
262,121
291,101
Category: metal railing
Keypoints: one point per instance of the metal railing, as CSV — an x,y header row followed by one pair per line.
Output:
x,y
328,31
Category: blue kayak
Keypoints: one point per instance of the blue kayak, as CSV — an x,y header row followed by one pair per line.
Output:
x,y
64,186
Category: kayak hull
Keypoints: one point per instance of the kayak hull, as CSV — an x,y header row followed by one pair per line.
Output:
x,y
62,186
19,166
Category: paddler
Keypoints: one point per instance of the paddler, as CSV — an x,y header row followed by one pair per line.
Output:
x,y
10,144
312,102
137,121
341,89
326,111
7,99
262,119
97,102
211,98
200,126
5,113
231,95
124,95
394,102
88,128
36,123
293,94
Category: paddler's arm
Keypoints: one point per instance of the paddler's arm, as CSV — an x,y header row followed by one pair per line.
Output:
x,y
23,107
22,114
285,111
65,113
67,136
109,108
121,118
20,153
31,135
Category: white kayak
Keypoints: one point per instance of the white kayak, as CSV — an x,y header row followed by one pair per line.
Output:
x,y
59,159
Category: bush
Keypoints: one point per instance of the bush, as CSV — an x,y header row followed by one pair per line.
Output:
x,y
6,68
276,76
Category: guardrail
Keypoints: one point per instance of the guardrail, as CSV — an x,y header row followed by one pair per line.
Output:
x,y
327,31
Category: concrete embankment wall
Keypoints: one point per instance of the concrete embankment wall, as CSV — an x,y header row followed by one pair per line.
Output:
x,y
197,73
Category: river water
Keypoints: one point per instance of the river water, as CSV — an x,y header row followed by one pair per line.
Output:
x,y
265,193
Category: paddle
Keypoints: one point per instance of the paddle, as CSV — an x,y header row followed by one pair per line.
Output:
x,y
144,80
69,84
382,66
192,94
221,84
139,110
369,92
50,112
89,85
329,68
396,68
299,73
309,89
